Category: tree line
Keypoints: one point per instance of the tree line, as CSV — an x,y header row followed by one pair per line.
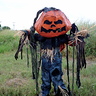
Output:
x,y
4,27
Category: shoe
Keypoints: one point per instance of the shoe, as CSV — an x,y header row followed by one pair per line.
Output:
x,y
41,94
62,92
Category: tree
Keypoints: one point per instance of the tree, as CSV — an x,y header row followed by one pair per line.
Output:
x,y
5,27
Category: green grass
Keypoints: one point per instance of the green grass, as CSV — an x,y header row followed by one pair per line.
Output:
x,y
90,45
8,42
16,78
88,81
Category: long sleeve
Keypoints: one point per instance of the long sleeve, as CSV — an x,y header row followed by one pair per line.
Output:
x,y
39,37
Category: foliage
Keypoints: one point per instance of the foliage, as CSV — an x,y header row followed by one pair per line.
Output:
x,y
5,27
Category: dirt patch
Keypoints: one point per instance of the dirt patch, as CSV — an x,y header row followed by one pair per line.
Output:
x,y
16,82
89,60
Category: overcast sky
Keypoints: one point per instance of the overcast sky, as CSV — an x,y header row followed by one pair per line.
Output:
x,y
22,12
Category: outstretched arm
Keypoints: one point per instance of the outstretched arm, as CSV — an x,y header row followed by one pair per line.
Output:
x,y
22,41
76,36
37,37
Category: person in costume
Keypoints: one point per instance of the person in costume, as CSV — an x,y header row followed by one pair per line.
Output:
x,y
52,27
51,63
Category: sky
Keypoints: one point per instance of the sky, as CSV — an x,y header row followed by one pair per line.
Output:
x,y
19,14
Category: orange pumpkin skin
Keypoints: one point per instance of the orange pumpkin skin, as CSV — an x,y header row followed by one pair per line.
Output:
x,y
52,23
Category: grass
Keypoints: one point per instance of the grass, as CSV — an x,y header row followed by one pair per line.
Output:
x,y
7,41
91,40
16,78
88,81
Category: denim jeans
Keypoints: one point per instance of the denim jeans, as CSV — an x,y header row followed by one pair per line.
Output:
x,y
52,73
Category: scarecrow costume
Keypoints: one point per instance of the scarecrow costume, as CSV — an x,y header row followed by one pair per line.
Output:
x,y
52,27
51,63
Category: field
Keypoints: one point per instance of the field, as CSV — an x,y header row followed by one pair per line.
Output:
x,y
16,78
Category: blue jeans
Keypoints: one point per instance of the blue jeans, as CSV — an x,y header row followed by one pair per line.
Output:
x,y
52,72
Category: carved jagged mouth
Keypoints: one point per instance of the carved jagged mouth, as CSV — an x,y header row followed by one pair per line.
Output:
x,y
51,30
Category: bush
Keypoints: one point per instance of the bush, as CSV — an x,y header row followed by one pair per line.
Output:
x,y
6,27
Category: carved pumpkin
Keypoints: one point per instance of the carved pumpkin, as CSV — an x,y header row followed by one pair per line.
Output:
x,y
52,23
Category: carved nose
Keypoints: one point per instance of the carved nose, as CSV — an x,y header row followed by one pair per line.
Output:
x,y
53,26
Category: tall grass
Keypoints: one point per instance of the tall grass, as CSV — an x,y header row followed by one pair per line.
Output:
x,y
90,46
90,42
7,41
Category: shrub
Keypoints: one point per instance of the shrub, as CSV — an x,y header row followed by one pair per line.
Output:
x,y
6,27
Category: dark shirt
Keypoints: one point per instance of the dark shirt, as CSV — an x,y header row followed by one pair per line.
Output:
x,y
51,42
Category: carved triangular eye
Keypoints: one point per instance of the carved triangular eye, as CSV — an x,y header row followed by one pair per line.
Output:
x,y
58,22
47,22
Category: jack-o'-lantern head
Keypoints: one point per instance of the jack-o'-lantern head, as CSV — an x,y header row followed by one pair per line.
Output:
x,y
52,23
